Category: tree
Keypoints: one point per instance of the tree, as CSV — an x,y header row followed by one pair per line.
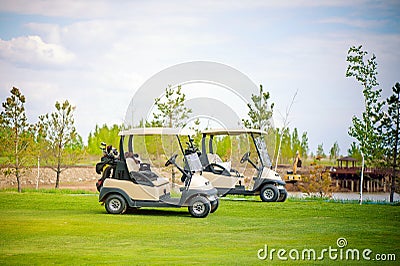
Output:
x,y
365,129
296,144
354,151
285,125
320,151
319,181
290,144
260,112
105,134
391,134
304,145
65,145
15,134
334,151
172,110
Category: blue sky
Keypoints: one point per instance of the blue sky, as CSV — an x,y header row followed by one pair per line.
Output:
x,y
97,54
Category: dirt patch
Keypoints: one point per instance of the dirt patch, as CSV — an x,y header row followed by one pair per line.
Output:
x,y
72,178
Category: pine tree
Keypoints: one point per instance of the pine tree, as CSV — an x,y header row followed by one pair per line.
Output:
x,y
391,134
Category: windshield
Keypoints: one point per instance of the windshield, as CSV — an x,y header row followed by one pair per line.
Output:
x,y
262,148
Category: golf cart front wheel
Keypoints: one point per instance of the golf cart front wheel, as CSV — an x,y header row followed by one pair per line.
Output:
x,y
199,207
282,196
214,205
269,193
115,204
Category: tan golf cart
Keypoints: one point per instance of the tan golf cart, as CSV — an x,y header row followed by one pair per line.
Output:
x,y
134,185
228,180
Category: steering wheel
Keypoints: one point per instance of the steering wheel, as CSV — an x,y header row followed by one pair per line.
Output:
x,y
245,157
171,160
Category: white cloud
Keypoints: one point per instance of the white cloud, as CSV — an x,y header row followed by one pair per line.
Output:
x,y
32,51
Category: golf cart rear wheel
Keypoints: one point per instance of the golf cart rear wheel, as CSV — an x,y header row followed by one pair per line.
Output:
x,y
269,193
214,205
199,207
115,204
282,196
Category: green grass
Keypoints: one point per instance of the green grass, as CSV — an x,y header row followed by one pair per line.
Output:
x,y
41,228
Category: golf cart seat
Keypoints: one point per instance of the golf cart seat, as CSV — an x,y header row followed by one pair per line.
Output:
x,y
131,164
215,159
142,175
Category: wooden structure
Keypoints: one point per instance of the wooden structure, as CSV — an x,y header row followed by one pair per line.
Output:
x,y
347,176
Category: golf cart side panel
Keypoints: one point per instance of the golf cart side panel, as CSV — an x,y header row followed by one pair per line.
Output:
x,y
137,191
270,174
221,181
187,195
260,182
106,191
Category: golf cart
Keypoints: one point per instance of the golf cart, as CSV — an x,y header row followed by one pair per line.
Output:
x,y
134,185
264,181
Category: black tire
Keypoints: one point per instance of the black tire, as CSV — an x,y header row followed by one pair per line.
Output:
x,y
214,205
269,193
282,196
199,207
115,204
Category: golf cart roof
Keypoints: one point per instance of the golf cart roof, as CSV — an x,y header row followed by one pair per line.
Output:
x,y
236,131
148,131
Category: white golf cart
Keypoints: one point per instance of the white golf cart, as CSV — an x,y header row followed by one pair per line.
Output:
x,y
266,182
133,184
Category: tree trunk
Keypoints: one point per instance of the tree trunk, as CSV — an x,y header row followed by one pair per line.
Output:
x,y
19,184
17,162
58,171
58,179
393,186
58,164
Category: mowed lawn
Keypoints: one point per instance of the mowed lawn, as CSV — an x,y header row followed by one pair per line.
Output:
x,y
57,228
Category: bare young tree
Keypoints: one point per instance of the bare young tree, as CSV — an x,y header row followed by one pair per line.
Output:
x,y
15,134
285,125
61,136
